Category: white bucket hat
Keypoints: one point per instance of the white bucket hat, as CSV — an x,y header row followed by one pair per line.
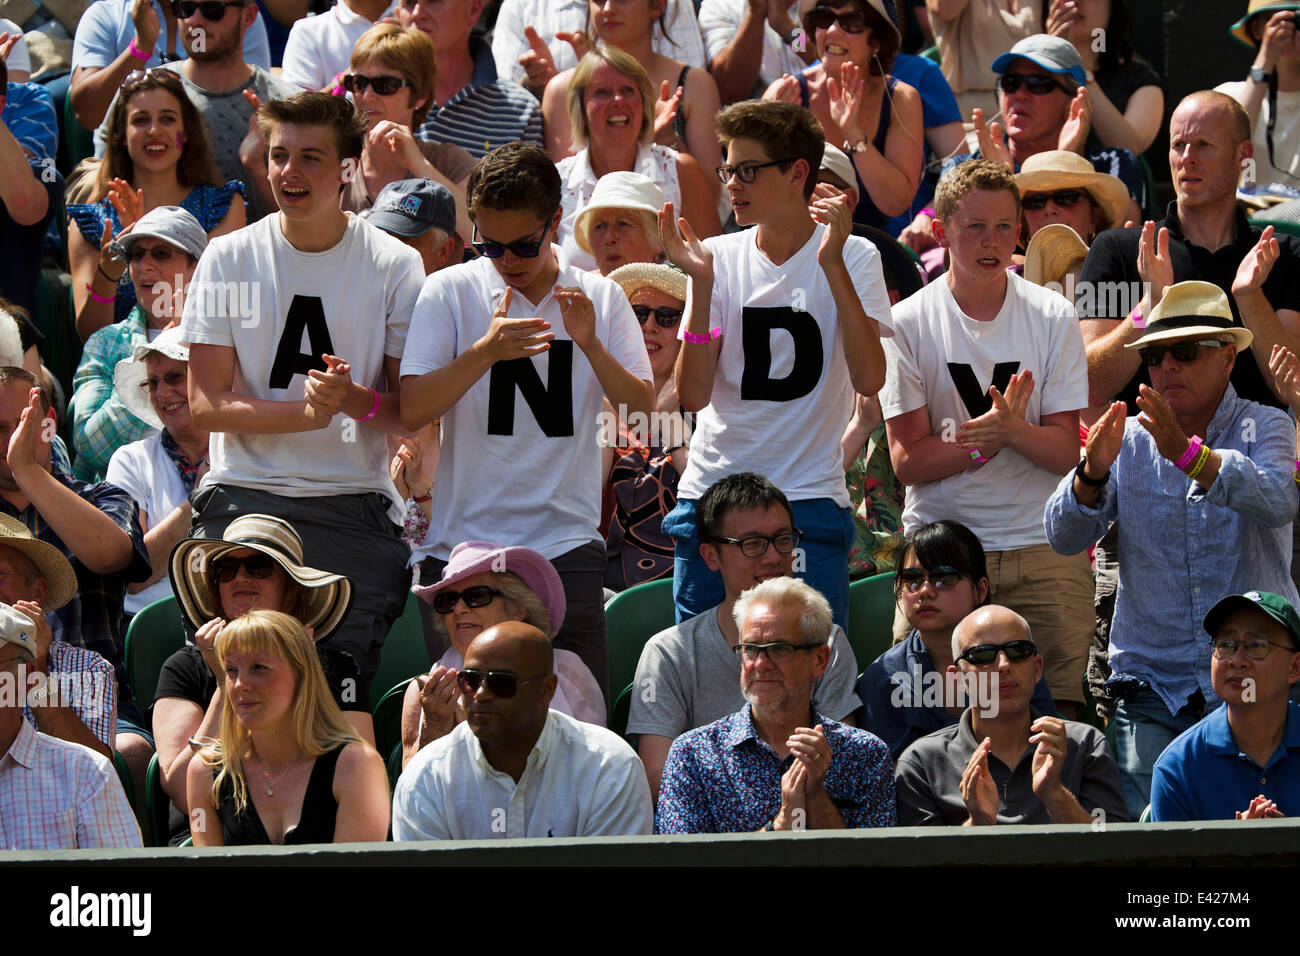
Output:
x,y
617,190
130,374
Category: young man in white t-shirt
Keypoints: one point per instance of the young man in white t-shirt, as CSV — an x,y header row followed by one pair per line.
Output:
x,y
987,374
775,348
296,326
512,353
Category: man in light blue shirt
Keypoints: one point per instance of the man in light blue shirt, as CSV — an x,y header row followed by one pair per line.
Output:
x,y
1197,518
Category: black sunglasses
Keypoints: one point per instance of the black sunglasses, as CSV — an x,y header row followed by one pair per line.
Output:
x,y
746,172
944,578
523,248
1183,352
1065,198
226,570
778,652
500,683
213,10
851,21
1036,83
982,655
444,602
666,316
385,85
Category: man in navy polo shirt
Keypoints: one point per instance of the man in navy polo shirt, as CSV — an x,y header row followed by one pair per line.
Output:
x,y
1243,760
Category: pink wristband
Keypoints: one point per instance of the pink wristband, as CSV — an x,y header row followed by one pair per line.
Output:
x,y
138,53
106,299
338,89
977,455
1189,456
700,338
374,409
1136,317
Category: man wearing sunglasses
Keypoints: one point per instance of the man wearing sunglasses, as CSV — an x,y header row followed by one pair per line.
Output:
x,y
1200,487
514,767
513,353
1003,762
1243,760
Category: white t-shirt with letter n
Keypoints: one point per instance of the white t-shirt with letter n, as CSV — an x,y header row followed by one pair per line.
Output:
x,y
520,459
281,309
943,360
781,392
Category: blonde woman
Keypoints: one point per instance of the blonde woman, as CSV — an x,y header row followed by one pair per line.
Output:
x,y
288,769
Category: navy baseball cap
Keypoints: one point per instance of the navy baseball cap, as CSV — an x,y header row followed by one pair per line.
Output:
x,y
411,207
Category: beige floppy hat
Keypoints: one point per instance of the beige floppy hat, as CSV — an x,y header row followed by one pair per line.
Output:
x,y
1192,309
1061,169
1054,251
617,190
50,562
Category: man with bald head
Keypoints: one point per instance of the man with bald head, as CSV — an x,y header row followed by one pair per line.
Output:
x,y
1002,762
514,767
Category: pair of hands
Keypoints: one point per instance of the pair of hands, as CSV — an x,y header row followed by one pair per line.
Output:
x,y
327,391
1156,267
440,701
812,759
508,338
1106,436
980,793
407,470
1001,425
1261,808
844,94
129,204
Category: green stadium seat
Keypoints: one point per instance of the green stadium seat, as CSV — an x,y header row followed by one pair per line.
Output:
x,y
78,142
871,617
157,804
388,717
154,635
618,714
124,775
631,619
405,653
1146,815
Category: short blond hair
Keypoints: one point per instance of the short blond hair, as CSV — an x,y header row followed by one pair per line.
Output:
x,y
965,178
624,63
409,52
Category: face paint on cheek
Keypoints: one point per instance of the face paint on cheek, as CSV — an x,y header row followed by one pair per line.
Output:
x,y
180,140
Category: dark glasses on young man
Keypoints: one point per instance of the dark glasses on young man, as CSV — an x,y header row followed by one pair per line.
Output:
x,y
523,248
778,653
745,172
851,21
666,316
944,578
1035,83
256,565
755,546
212,10
156,253
444,602
500,683
385,85
174,379
1183,352
982,655
1065,198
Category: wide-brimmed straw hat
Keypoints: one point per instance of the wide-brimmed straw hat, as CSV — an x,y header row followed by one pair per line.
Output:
x,y
329,596
474,557
1058,169
1270,7
50,562
1192,309
617,190
1054,251
669,280
131,373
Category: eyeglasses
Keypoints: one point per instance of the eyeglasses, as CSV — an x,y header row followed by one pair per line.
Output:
x,y
982,655
1064,198
174,379
444,602
756,544
1036,83
778,653
851,21
1183,352
226,570
213,10
666,316
500,683
385,85
157,253
942,578
746,172
523,248
1256,650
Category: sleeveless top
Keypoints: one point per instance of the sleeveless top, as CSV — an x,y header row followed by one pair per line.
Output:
x,y
209,205
315,825
866,213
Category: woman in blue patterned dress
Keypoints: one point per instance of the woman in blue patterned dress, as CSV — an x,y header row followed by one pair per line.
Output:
x,y
157,155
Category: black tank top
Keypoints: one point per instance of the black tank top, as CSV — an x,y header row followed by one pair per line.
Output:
x,y
315,825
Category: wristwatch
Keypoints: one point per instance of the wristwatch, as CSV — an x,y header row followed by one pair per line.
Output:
x,y
859,147
1090,482
1257,75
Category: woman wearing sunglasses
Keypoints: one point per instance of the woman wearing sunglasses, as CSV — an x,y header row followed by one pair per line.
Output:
x,y
611,109
874,118
391,82
485,584
286,767
941,578
157,154
255,565
642,469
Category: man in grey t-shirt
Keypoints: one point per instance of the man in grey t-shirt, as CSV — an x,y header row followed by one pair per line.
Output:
x,y
215,77
688,675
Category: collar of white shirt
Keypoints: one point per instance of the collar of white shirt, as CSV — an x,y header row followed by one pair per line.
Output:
x,y
536,759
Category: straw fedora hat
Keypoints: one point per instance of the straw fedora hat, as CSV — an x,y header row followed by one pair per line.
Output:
x,y
1192,309
329,596
1061,169
1054,251
50,562
669,280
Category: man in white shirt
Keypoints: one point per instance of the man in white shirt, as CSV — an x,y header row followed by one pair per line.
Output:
x,y
774,349
319,48
512,353
515,768
295,326
987,374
